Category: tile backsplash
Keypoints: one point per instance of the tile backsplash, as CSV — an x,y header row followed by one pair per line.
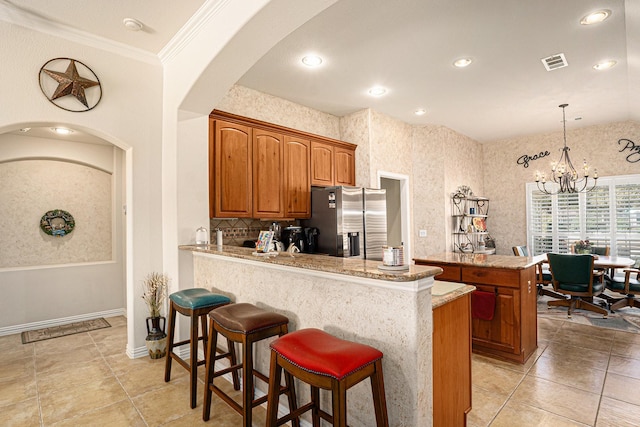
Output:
x,y
236,231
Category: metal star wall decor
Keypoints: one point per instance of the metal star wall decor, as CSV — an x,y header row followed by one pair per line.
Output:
x,y
70,88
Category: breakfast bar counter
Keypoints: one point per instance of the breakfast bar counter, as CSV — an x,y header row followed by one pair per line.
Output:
x,y
349,298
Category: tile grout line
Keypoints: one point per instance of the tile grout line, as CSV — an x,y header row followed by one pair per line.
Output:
x,y
119,382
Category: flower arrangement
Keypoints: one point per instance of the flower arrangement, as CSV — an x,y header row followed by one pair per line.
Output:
x,y
583,246
154,292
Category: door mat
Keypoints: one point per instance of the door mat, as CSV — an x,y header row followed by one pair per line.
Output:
x,y
64,330
626,319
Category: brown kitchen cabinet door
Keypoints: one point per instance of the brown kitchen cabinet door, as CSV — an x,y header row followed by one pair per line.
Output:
x,y
268,175
297,171
230,170
502,334
322,164
345,166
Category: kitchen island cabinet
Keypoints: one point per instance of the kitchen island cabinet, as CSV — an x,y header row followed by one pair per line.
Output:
x,y
512,333
348,298
451,354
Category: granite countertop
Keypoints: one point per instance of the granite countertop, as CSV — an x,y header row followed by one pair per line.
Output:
x,y
444,292
348,266
481,260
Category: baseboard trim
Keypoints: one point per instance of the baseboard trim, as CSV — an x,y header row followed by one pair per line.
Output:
x,y
16,329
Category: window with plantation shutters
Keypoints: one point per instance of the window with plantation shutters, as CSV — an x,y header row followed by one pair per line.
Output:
x,y
627,219
609,215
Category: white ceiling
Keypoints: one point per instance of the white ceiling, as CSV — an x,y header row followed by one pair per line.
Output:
x,y
409,47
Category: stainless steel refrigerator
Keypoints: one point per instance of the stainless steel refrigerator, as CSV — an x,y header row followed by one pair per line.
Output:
x,y
352,221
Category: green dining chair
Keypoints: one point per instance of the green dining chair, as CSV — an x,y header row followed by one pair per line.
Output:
x,y
573,276
629,286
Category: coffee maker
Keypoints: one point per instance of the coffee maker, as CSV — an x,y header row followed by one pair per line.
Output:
x,y
293,235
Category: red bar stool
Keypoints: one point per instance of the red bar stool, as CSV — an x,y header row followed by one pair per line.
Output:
x,y
245,324
194,303
325,362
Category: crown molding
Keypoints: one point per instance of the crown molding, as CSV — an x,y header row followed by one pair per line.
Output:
x,y
189,30
34,22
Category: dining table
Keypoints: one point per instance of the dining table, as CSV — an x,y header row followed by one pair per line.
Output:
x,y
600,261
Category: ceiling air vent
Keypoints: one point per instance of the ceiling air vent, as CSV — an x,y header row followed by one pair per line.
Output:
x,y
554,62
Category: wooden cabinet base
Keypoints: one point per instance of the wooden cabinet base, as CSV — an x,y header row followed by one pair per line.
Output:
x,y
452,362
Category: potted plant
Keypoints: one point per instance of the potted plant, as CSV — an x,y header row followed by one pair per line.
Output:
x,y
154,293
582,247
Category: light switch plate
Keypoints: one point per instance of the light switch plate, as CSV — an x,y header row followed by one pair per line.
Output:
x,y
423,233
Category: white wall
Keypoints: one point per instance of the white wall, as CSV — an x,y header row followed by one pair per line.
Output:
x,y
128,116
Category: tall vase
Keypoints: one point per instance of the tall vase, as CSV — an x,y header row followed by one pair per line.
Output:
x,y
156,337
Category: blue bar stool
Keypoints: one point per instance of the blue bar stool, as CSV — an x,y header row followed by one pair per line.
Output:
x,y
195,303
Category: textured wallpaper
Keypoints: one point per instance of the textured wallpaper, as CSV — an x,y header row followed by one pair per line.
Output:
x,y
505,179
30,188
261,106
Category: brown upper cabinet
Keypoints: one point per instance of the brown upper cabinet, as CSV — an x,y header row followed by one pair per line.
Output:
x,y
322,164
230,170
297,171
268,179
345,166
262,170
332,164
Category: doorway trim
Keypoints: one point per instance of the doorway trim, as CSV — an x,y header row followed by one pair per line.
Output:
x,y
405,206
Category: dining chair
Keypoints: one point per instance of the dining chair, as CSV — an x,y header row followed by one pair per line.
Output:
x,y
629,287
520,250
543,274
573,275
601,250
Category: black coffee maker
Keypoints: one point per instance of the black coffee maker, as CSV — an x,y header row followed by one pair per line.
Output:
x,y
311,239
293,235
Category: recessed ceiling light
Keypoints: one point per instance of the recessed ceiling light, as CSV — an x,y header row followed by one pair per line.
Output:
x,y
377,91
62,131
604,65
595,17
420,112
312,60
462,62
132,24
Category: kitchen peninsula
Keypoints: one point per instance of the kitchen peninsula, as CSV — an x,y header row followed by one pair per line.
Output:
x,y
349,298
511,333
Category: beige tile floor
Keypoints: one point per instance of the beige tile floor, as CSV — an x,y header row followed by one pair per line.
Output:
x,y
580,376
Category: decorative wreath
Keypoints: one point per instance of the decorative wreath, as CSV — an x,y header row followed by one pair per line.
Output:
x,y
57,223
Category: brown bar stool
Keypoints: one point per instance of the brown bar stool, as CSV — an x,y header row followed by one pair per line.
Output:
x,y
194,303
325,362
246,324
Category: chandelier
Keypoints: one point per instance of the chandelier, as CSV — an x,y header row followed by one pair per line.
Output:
x,y
564,174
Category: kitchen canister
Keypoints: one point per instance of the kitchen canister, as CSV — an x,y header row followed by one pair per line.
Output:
x,y
202,236
392,256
